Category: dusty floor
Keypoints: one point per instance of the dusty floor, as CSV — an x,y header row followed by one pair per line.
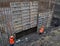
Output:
x,y
52,38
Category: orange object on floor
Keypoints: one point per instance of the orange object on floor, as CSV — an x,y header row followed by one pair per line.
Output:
x,y
11,40
41,29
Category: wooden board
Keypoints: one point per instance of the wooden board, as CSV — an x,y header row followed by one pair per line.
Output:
x,y
5,4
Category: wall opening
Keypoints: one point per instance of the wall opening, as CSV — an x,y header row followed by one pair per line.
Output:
x,y
25,32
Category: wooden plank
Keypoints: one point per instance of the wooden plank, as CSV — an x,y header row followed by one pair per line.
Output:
x,y
5,4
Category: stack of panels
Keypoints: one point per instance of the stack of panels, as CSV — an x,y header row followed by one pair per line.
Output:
x,y
6,10
16,18
7,19
25,15
44,19
8,15
49,18
33,13
41,20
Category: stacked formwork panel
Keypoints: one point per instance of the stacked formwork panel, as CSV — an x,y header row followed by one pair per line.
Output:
x,y
33,13
16,16
44,19
4,31
24,15
8,19
45,13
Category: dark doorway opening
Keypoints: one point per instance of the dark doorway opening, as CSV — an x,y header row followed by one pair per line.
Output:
x,y
25,32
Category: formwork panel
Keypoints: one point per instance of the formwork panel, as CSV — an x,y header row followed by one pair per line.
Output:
x,y
28,12
25,15
33,13
44,19
17,18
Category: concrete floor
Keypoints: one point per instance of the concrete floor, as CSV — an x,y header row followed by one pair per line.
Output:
x,y
52,38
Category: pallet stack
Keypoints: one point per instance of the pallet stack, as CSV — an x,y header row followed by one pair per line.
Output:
x,y
7,19
50,14
25,15
16,17
44,19
33,13
5,28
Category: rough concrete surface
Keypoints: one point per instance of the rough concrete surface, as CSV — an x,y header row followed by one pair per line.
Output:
x,y
52,38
